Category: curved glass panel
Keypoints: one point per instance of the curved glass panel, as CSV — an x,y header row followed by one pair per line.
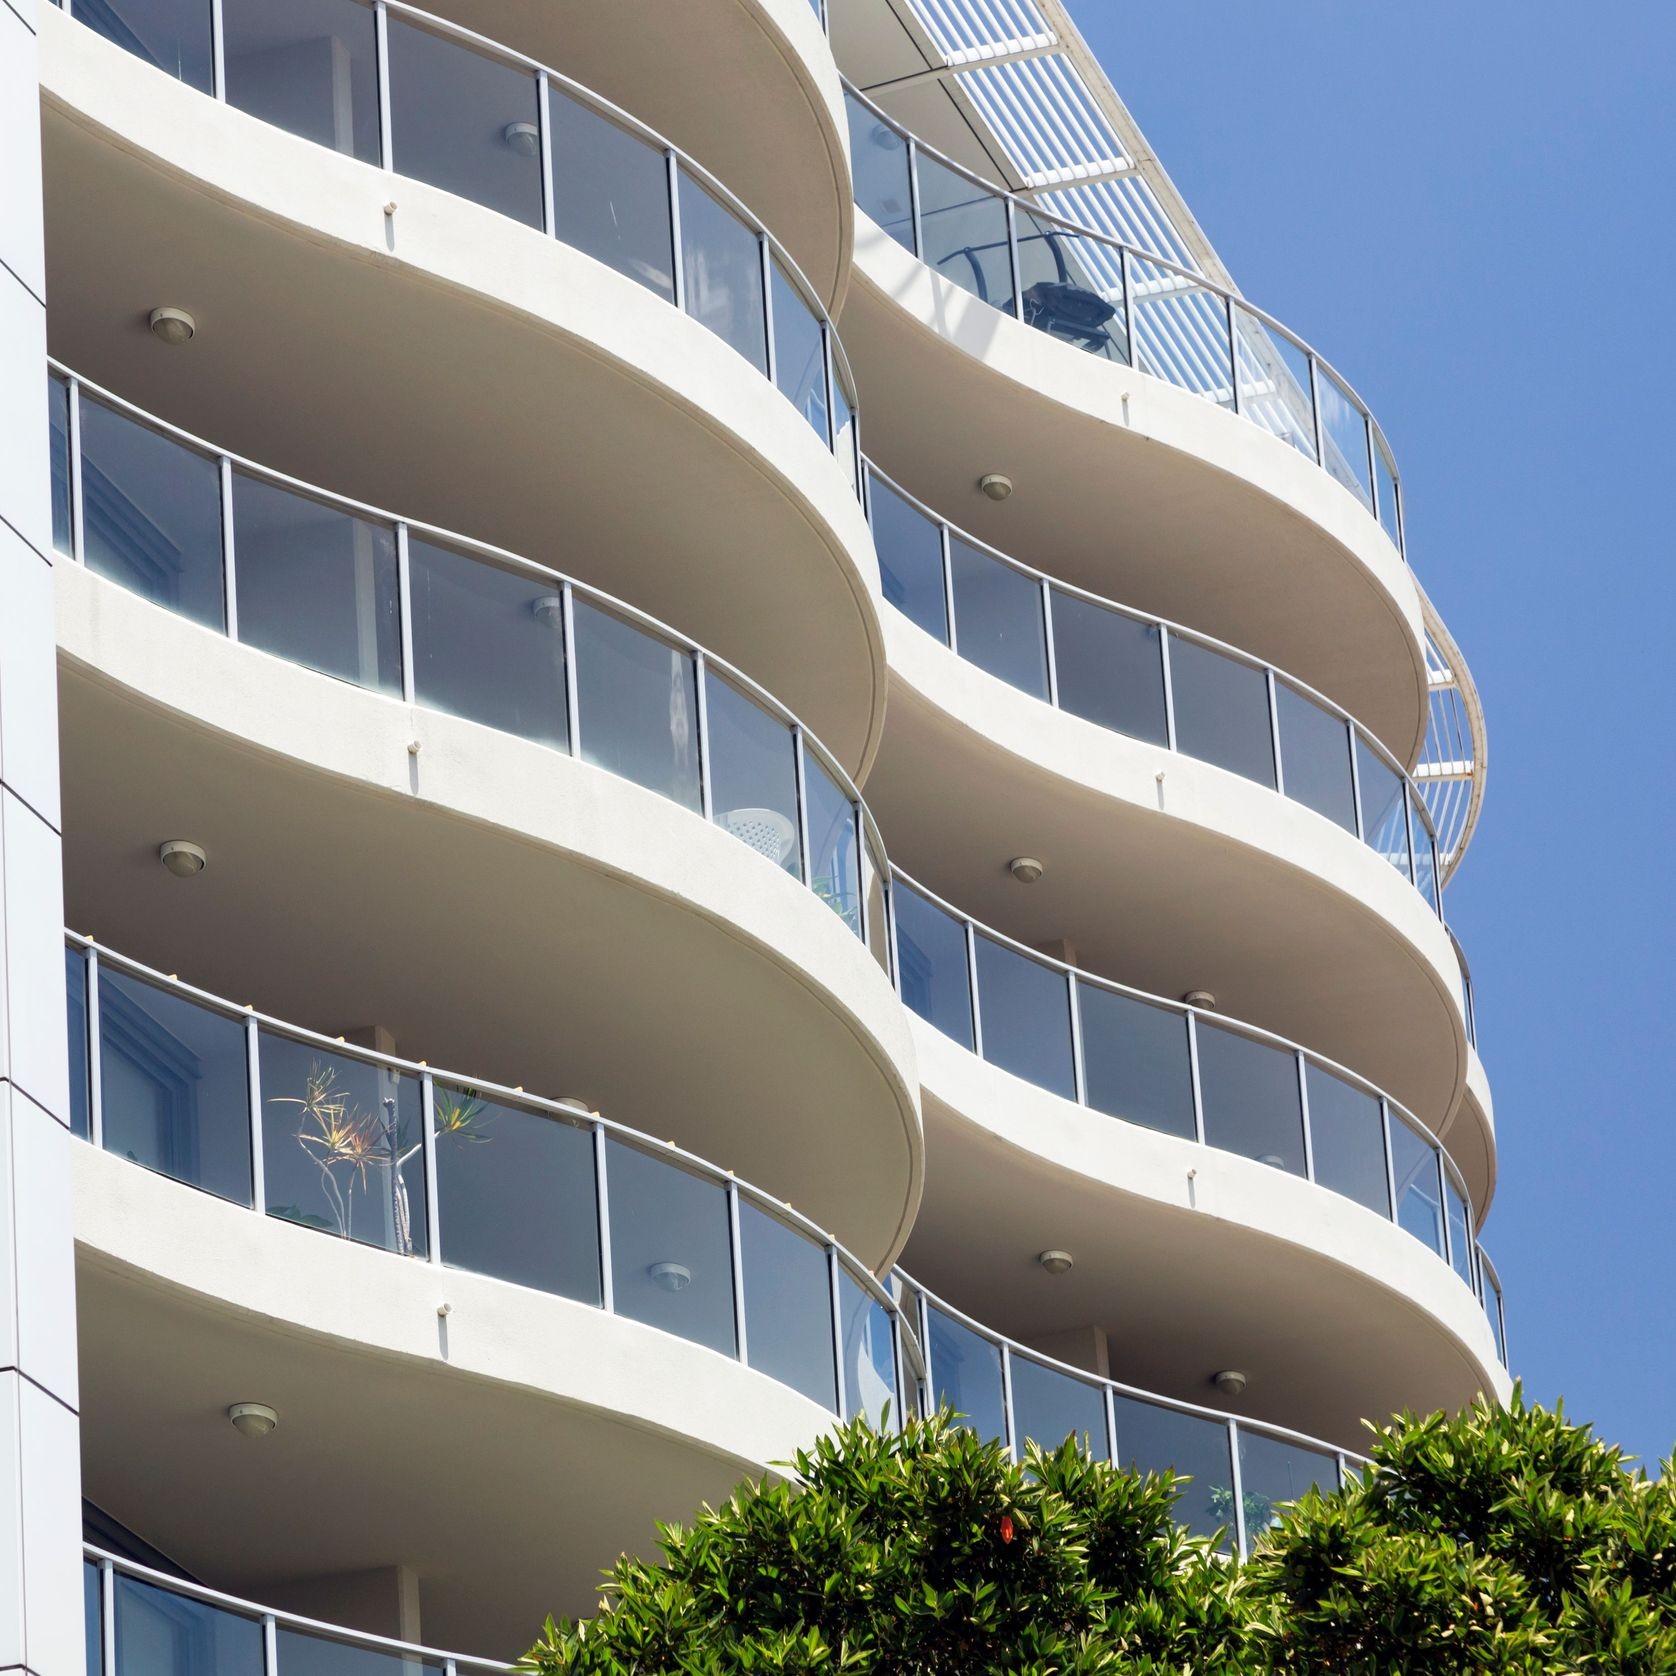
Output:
x,y
1344,435
173,35
788,1305
932,970
879,167
299,1652
799,351
1136,1063
753,774
1275,387
869,1351
1050,1406
998,622
910,549
1275,1473
963,233
1460,1230
1384,810
1315,756
1418,1185
1152,1438
1347,1138
1110,668
1250,1094
966,1374
721,269
161,1633
834,855
1071,287
1024,1015
1221,710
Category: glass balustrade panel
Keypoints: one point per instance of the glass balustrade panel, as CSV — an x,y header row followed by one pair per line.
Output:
x,y
1274,382
963,233
173,35
309,67
932,970
75,1007
317,585
1050,1406
998,621
753,774
799,351
515,1193
1275,1473
464,121
92,1621
844,435
1110,668
488,643
58,443
788,1305
1153,1439
1344,436
834,854
721,273
1493,1311
1419,1185
1221,710
611,194
966,1375
299,1653
637,703
1024,1013
877,871
671,1251
1347,1139
1460,1228
910,548
1182,331
1071,287
1425,857
151,514
1384,808
174,1085
1250,1095
1385,485
161,1633
342,1145
1315,756
1135,1060
869,1351
879,166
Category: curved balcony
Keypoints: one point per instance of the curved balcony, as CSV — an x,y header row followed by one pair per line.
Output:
x,y
1149,679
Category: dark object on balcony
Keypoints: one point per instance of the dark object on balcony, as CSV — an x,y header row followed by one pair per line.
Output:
x,y
1068,311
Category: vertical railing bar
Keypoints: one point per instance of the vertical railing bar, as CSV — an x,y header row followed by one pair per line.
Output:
x,y
1008,1419
78,522
1390,1158
804,858
1047,641
1303,1107
766,261
1079,1073
840,1385
381,49
1013,263
107,1617
1233,355
899,1366
1408,829
602,1207
831,390
404,590
573,718
218,51
544,121
737,1261
913,198
1373,470
1193,1072
1169,689
270,1645
1315,412
701,675
672,167
1240,1539
928,1383
1131,325
229,559
1356,783
1110,1405
1441,1176
1396,495
889,894
952,636
972,985
95,1069
253,1092
1274,731
433,1190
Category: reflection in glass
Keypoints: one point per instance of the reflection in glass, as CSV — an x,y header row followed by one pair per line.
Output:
x,y
671,1253
465,122
998,618
309,67
1347,1139
342,1148
151,514
1024,1013
834,860
910,548
1071,287
1344,436
1274,382
966,1373
1418,1185
1050,1406
879,164
1110,668
1221,710
515,1194
878,922
799,351
931,955
161,1633
1152,1438
58,445
637,699
298,1653
1250,1094
869,1351
1384,808
1385,483
1135,1060
488,644
174,1088
1274,1473
611,194
1460,1230
843,422
1315,756
1181,329
316,585
788,1305
963,232
753,773
721,272
173,35
75,1007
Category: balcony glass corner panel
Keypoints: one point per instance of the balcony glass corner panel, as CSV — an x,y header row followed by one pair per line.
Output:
x,y
1274,382
753,774
1460,1229
910,548
1419,1186
342,1148
516,1195
1110,668
1050,1406
799,351
721,272
172,35
966,1371
1152,1438
876,873
1024,1012
1347,1139
1071,286
1136,1063
1315,748
845,438
933,974
963,233
879,164
1221,710
998,622
869,1351
834,854
1251,1101
788,1305
1344,435
1384,808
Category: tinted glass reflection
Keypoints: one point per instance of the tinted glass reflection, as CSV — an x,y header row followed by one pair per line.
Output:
x,y
488,644
1250,1094
788,1305
611,194
963,233
879,165
309,67
1347,1139
151,514
1110,668
316,585
869,1350
1135,1060
1071,287
1315,756
721,272
998,618
75,1006
910,549
1050,1406
966,1374
298,1653
671,1252
342,1147
515,1194
799,351
932,971
161,1633
174,1087
1222,710
174,35
1274,1473
1384,808
1151,1438
1025,1015
1418,1185
58,444
753,774
638,703
834,858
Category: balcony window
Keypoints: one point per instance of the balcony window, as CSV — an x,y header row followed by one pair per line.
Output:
x,y
963,232
1071,286
75,1007
299,1653
1274,1473
1384,808
58,443
161,1633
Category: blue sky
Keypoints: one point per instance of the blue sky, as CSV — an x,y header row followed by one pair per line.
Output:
x,y
1469,206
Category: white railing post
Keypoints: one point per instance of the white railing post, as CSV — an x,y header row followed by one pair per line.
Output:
x,y
253,1082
